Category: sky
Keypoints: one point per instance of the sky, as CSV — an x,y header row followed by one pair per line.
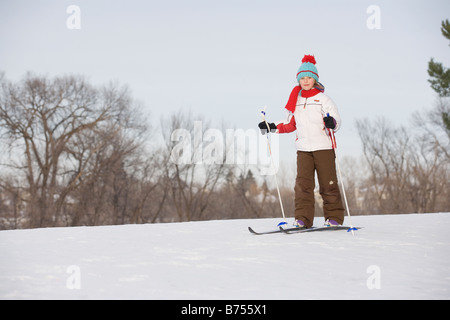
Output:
x,y
226,59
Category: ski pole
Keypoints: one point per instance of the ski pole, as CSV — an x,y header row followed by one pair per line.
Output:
x,y
263,115
333,144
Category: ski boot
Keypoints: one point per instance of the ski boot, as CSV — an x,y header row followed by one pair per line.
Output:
x,y
299,224
331,223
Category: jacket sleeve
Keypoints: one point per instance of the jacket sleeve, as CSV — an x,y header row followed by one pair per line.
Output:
x,y
286,127
329,106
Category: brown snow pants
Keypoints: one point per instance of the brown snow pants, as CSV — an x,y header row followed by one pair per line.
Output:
x,y
323,162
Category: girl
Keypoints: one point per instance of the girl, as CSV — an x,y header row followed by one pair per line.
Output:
x,y
311,114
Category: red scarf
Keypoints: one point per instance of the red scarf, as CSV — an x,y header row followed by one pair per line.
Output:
x,y
292,102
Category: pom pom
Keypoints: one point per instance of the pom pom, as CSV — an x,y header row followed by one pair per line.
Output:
x,y
309,58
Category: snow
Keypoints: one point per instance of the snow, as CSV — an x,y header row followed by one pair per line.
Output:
x,y
392,257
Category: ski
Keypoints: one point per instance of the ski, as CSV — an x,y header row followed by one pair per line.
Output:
x,y
265,232
314,229
300,230
279,230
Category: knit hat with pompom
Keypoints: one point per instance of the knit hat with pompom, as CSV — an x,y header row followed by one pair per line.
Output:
x,y
308,68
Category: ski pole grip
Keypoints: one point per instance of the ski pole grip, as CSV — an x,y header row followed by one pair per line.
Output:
x,y
263,114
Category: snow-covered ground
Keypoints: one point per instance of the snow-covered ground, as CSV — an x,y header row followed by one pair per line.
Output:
x,y
392,257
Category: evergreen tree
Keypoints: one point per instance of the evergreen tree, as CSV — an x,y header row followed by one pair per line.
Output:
x,y
440,76
446,120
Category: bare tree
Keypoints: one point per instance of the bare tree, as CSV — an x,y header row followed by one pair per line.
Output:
x,y
409,170
386,149
190,175
434,126
430,163
56,130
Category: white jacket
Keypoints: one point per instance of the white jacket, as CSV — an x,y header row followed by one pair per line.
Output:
x,y
307,121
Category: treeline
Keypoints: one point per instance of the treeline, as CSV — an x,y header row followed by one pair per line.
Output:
x,y
75,154
407,167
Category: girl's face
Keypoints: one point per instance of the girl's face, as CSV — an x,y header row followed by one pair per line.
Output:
x,y
307,83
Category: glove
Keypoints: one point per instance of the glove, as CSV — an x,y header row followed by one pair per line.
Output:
x,y
263,126
330,123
